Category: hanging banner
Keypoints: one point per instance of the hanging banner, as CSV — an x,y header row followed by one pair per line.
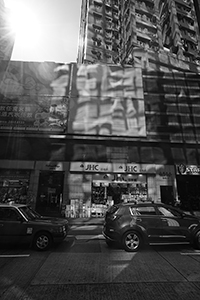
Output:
x,y
33,97
107,100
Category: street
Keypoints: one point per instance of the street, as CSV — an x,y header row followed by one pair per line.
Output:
x,y
83,267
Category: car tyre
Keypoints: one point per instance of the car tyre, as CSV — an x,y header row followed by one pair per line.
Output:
x,y
131,241
197,240
42,241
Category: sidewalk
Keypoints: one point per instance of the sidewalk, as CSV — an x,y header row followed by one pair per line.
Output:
x,y
85,221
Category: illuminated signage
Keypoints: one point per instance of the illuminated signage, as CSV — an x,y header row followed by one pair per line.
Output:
x,y
188,169
111,168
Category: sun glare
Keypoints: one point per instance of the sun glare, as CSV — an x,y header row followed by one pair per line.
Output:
x,y
24,24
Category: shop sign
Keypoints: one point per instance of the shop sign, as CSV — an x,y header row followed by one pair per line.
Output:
x,y
122,178
134,168
111,168
91,167
116,178
187,169
53,166
164,174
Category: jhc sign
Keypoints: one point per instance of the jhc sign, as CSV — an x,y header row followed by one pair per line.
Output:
x,y
111,168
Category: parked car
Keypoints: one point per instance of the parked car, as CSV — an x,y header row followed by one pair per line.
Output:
x,y
133,225
21,224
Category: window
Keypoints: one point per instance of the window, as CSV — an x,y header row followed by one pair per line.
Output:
x,y
168,212
8,214
143,210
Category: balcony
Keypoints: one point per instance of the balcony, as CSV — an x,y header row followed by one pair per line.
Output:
x,y
108,25
143,7
143,34
189,38
108,12
108,35
184,2
115,27
186,25
97,13
182,13
144,20
108,3
115,16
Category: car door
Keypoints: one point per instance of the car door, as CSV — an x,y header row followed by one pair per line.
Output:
x,y
12,226
149,221
175,225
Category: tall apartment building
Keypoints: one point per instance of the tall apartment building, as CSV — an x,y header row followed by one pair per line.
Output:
x,y
111,29
197,9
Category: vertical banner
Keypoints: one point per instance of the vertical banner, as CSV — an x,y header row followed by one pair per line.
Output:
x,y
107,100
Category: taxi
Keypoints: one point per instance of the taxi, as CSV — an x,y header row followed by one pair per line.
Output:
x,y
19,223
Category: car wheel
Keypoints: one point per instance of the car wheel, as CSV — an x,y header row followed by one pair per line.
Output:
x,y
42,241
109,243
197,240
131,241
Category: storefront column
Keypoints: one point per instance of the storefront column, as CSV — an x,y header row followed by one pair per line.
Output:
x,y
33,188
151,185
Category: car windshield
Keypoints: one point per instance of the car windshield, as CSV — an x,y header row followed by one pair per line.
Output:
x,y
29,213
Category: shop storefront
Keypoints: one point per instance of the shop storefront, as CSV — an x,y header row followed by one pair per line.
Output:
x,y
109,189
93,187
188,186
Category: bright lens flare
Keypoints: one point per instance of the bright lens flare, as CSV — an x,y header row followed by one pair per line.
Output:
x,y
25,25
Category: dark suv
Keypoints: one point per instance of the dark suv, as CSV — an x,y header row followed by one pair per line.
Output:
x,y
20,224
132,225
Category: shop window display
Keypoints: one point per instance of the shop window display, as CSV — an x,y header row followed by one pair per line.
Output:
x,y
14,186
105,194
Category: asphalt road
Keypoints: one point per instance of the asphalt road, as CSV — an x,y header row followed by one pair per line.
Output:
x,y
83,268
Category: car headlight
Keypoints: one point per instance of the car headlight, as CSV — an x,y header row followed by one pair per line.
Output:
x,y
62,229
59,229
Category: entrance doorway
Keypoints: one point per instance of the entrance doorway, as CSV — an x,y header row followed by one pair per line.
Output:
x,y
188,187
50,191
167,195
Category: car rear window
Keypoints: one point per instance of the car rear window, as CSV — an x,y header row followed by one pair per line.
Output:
x,y
113,209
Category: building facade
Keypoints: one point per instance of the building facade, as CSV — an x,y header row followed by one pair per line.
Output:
x,y
123,124
82,137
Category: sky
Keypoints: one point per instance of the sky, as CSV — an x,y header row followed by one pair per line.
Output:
x,y
46,30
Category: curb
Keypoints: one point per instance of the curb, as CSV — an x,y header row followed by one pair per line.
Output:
x,y
86,222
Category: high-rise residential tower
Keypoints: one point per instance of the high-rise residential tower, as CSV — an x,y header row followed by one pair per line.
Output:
x,y
197,9
111,29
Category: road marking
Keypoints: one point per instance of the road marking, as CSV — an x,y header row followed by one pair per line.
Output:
x,y
191,253
87,237
14,255
98,237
